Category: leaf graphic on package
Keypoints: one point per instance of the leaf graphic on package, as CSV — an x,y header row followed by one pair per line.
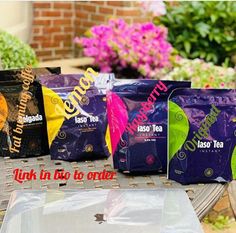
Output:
x,y
233,163
54,119
117,118
178,128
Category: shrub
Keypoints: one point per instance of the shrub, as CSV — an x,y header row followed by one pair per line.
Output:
x,y
140,48
203,74
14,53
202,29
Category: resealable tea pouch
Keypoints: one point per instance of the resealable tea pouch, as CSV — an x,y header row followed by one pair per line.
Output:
x,y
202,135
19,140
137,115
75,107
15,74
23,131
21,99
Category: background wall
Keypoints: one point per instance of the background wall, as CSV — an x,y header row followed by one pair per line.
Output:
x,y
55,24
19,23
53,29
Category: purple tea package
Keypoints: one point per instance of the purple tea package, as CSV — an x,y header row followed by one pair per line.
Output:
x,y
75,108
137,115
202,135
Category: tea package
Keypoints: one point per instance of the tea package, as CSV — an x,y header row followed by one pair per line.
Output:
x,y
22,121
137,115
22,118
75,107
202,135
15,74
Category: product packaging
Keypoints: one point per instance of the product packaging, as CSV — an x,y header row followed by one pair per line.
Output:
x,y
22,118
75,107
137,115
202,135
100,211
15,74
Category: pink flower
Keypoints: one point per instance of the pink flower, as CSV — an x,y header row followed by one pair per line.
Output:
x,y
76,40
143,47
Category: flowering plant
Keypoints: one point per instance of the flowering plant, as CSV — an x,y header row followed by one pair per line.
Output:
x,y
203,74
14,53
117,46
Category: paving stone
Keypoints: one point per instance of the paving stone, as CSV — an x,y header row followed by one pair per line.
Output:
x,y
222,204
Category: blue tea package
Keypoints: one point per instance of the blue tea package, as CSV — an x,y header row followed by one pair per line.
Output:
x,y
137,116
75,107
202,135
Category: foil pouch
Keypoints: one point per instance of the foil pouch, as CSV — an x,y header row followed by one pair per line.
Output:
x,y
29,140
76,117
137,115
202,135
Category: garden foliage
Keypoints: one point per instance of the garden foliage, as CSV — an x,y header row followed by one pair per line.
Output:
x,y
202,74
202,29
14,53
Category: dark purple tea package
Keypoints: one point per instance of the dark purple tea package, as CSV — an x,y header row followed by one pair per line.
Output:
x,y
75,107
202,135
137,115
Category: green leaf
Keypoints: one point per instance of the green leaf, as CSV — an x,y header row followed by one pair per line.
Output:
x,y
203,29
156,20
213,18
183,54
195,54
206,25
187,46
202,54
